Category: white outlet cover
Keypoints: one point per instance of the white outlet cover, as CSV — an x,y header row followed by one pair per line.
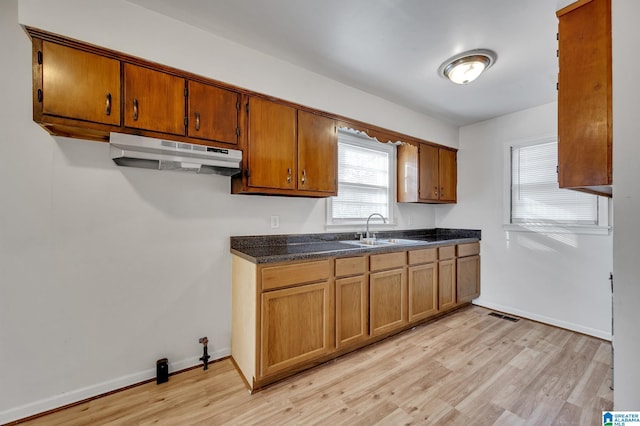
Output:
x,y
275,222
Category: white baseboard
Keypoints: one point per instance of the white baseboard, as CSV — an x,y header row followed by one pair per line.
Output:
x,y
66,398
546,320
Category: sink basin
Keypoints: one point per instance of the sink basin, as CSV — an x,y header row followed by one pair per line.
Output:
x,y
384,242
366,243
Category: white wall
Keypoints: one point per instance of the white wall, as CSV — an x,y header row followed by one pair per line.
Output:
x,y
559,279
103,269
626,193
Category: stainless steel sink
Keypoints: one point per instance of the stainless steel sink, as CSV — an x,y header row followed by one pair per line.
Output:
x,y
406,242
368,242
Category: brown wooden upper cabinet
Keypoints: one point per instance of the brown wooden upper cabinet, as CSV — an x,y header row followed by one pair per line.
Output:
x,y
271,145
447,175
317,153
289,151
213,113
426,174
154,100
76,84
86,92
584,97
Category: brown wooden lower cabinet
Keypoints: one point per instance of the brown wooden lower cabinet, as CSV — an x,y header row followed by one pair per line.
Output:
x,y
468,280
446,277
290,316
423,291
468,272
296,324
446,284
387,300
352,310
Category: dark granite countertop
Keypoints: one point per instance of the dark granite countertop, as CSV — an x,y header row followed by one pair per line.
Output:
x,y
282,248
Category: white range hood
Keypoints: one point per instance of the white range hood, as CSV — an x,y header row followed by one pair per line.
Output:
x,y
149,153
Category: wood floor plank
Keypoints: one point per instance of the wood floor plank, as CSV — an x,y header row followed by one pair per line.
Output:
x,y
427,409
467,368
507,418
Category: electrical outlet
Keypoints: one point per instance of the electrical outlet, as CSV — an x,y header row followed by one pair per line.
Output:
x,y
410,220
275,222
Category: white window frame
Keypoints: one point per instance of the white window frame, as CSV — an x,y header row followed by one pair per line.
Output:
x,y
601,228
361,139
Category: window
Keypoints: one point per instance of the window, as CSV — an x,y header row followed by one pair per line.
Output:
x,y
366,170
536,198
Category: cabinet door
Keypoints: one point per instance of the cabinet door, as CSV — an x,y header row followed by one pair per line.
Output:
x,y
271,145
584,95
80,85
423,291
468,278
387,301
317,153
153,100
428,173
295,326
351,310
213,113
407,171
446,284
447,175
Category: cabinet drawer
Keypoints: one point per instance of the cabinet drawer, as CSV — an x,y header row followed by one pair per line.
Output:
x,y
422,256
469,249
297,273
446,252
380,262
350,266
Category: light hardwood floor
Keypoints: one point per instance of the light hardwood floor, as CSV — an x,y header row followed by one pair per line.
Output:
x,y
468,368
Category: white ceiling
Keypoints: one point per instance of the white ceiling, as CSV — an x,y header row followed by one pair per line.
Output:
x,y
393,48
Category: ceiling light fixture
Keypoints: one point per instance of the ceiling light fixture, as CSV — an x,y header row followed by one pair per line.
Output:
x,y
465,67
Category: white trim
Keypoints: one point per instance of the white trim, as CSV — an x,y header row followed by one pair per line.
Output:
x,y
81,394
604,206
551,228
600,334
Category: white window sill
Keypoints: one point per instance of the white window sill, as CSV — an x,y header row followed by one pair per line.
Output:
x,y
357,225
548,228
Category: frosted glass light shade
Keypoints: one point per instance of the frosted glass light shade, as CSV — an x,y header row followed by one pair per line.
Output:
x,y
466,67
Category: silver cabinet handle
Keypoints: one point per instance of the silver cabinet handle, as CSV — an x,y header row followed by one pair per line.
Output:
x,y
135,109
197,121
107,110
288,175
304,176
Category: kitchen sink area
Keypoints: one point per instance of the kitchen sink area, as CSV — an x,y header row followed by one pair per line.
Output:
x,y
281,248
365,242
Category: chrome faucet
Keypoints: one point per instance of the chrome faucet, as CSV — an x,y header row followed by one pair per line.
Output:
x,y
369,218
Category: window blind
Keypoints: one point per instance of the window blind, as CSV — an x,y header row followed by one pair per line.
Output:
x,y
363,182
535,195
